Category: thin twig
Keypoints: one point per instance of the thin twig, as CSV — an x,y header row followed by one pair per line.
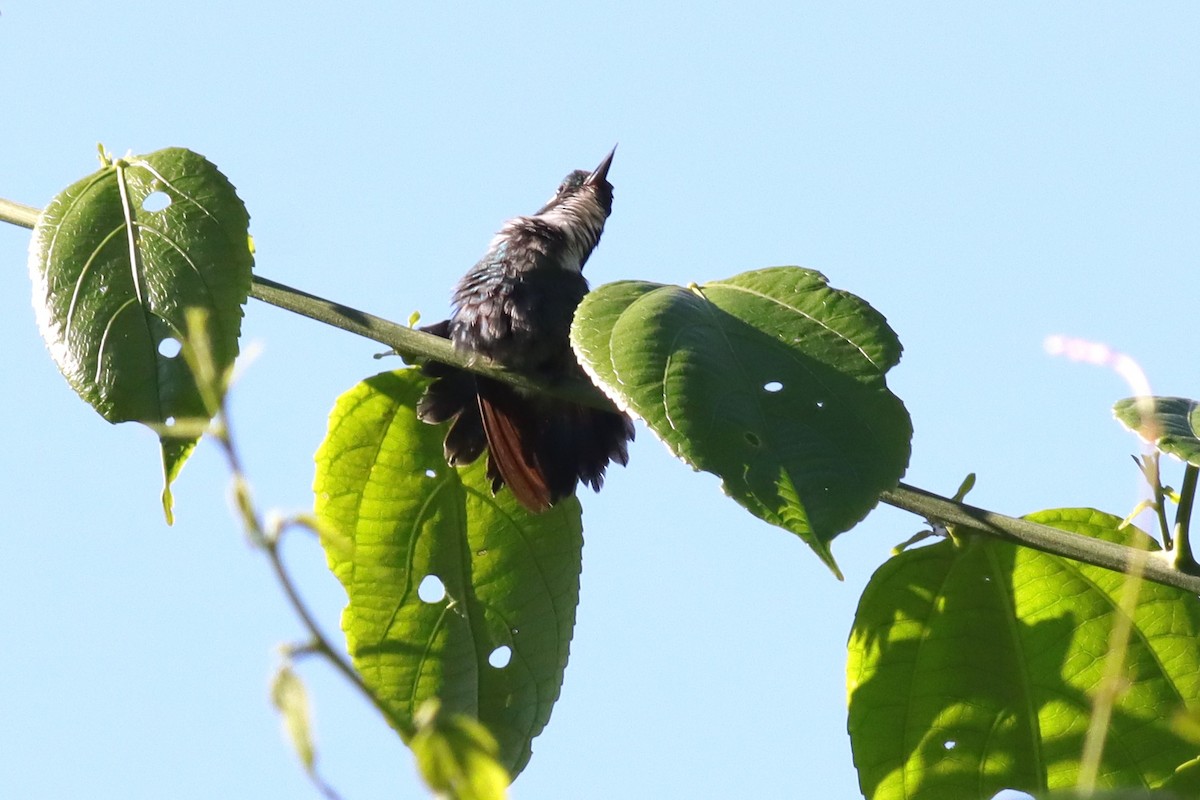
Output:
x,y
415,344
405,341
270,542
212,385
18,213
1097,552
1153,471
421,345
320,645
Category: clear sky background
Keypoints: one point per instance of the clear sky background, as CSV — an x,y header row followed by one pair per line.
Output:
x,y
983,174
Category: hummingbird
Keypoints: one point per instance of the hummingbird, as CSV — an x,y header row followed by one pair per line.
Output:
x,y
515,308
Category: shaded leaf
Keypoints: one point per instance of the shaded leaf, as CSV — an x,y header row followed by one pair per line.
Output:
x,y
114,272
1186,780
972,668
771,379
1171,424
499,583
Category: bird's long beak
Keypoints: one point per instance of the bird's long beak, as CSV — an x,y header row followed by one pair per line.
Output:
x,y
600,173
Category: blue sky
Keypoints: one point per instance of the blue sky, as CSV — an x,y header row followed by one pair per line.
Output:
x,y
983,174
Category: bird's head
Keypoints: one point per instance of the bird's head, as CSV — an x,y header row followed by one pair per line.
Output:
x,y
583,189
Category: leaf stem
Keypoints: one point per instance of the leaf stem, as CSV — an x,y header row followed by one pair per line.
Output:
x,y
270,543
213,387
416,344
1154,476
412,343
1184,558
18,213
405,341
1041,537
320,645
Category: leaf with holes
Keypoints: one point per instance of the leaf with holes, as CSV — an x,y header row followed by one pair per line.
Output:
x,y
1171,424
116,260
974,666
771,379
453,594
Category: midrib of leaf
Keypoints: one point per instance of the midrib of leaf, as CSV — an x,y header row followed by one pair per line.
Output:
x,y
103,348
79,281
412,695
1135,630
801,312
909,746
1003,583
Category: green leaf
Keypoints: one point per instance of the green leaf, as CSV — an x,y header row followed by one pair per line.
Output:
x,y
1115,794
505,582
457,756
1186,780
1171,424
290,699
771,379
114,272
973,668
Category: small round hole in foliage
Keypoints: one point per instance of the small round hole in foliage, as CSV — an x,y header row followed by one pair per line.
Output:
x,y
431,473
949,744
169,348
773,386
156,201
500,657
431,589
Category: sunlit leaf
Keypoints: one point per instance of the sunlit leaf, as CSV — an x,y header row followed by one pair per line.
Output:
x,y
973,666
457,756
1171,424
453,594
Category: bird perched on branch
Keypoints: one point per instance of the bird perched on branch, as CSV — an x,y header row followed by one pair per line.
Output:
x,y
515,307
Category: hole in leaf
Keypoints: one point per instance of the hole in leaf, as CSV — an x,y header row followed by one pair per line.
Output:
x,y
772,386
500,657
169,348
156,201
431,589
753,439
949,744
820,404
431,473
169,421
